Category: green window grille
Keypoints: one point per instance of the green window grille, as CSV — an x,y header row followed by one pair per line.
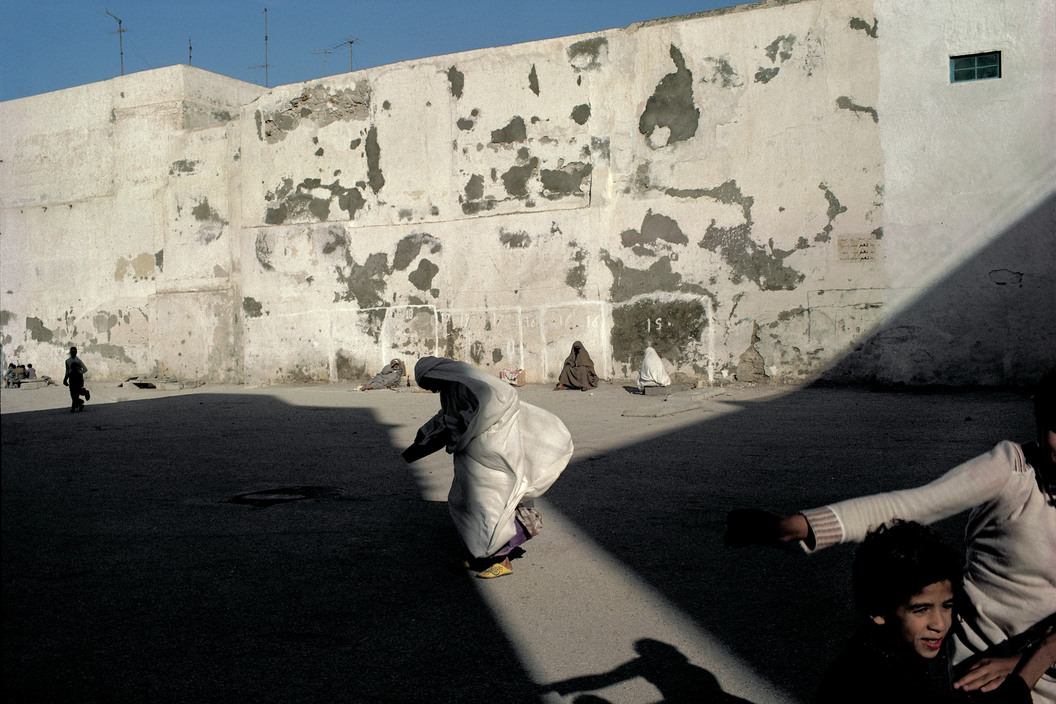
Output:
x,y
975,67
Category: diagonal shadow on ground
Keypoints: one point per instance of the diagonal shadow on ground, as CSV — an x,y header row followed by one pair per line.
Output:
x,y
129,575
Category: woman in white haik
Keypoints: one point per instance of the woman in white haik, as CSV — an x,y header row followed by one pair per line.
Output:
x,y
652,372
506,453
1008,628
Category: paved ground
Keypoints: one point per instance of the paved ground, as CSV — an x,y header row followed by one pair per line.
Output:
x,y
269,545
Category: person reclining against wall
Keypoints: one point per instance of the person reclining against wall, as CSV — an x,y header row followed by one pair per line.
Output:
x,y
578,370
1010,576
388,378
905,585
652,372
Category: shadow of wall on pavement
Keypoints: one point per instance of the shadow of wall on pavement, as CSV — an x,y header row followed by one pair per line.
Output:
x,y
130,574
659,506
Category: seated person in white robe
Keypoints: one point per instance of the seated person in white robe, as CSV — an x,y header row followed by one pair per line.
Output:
x,y
652,372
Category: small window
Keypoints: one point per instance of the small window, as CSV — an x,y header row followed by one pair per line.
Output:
x,y
975,67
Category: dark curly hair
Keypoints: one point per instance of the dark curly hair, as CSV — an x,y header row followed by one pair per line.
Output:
x,y
897,561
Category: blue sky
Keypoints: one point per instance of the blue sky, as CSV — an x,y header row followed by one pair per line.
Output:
x,y
48,45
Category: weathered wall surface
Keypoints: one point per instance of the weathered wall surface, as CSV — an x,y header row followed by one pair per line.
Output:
x,y
776,191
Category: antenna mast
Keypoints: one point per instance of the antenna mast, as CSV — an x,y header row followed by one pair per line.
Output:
x,y
265,64
324,52
350,42
189,52
120,39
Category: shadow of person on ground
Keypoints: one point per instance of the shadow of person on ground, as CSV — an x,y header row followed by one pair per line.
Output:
x,y
663,666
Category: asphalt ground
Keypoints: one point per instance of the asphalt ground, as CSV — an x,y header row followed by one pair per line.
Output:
x,y
269,544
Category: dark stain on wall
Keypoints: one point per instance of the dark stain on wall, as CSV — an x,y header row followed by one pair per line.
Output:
x,y
252,307
515,179
349,369
859,23
409,247
38,331
845,103
476,352
159,260
749,260
585,54
363,283
465,124
765,75
670,327
203,212
183,166
263,250
628,282
577,275
515,240
654,227
513,132
422,277
834,210
373,151
671,104
496,355
580,114
721,73
457,80
533,81
568,180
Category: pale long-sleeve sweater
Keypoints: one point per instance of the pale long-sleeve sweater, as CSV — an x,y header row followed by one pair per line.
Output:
x,y
1010,576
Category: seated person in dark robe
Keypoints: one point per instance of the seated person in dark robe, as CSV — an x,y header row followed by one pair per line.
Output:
x,y
578,371
388,378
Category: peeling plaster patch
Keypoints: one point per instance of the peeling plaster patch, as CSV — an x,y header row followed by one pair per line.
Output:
x,y
765,75
104,322
183,166
728,193
781,48
263,250
457,80
310,200
159,260
364,283
496,355
476,352
515,179
628,282
834,210
751,366
588,54
38,331
515,240
722,73
580,114
107,351
422,277
318,104
670,327
599,146
654,227
1006,277
473,202
373,150
577,276
354,144
533,80
6,317
845,103
141,267
409,247
671,106
513,132
252,307
859,23
465,124
568,180
751,261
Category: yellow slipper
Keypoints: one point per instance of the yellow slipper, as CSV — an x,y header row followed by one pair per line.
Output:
x,y
496,570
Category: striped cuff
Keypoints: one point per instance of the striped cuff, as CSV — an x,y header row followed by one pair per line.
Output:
x,y
825,527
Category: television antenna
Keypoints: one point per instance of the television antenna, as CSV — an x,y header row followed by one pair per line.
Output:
x,y
120,41
265,64
349,42
325,53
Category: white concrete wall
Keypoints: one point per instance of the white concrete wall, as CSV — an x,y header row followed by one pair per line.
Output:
x,y
790,190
